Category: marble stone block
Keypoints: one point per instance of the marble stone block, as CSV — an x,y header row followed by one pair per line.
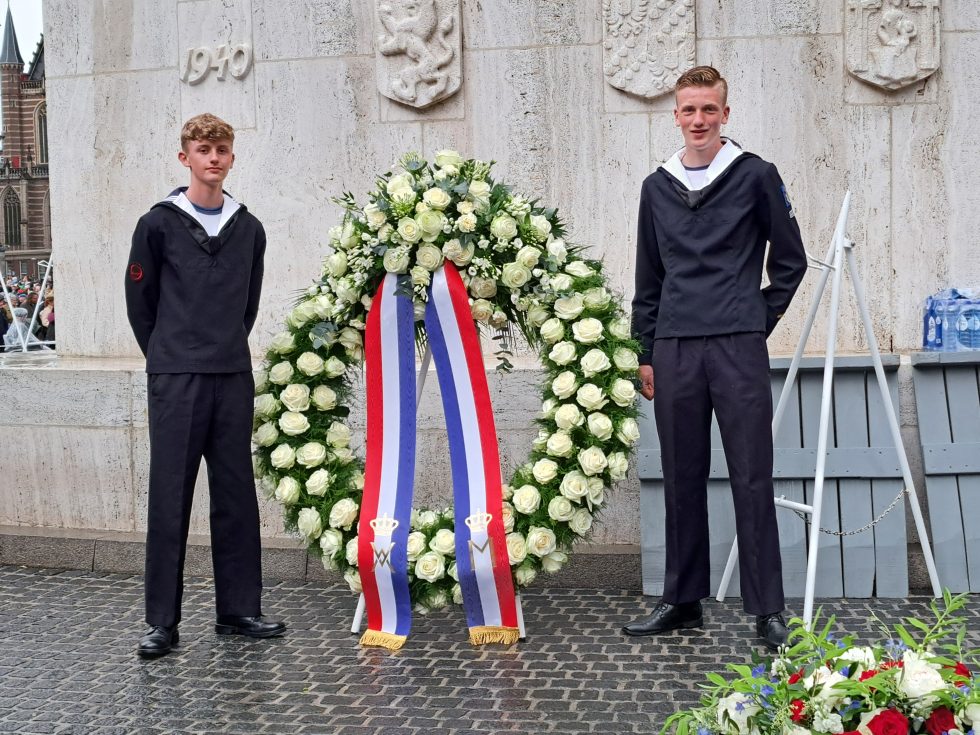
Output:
x,y
304,29
530,23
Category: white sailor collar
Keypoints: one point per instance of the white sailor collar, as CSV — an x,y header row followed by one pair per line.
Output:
x,y
722,160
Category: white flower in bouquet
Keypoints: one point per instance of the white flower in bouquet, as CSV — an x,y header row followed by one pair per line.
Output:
x,y
574,485
827,722
431,566
346,291
569,307
587,331
283,457
515,275
479,194
537,315
863,656
447,157
338,435
343,513
357,480
318,483
353,580
544,470
429,257
579,269
374,216
349,339
324,398
971,714
420,277
548,407
590,397
350,551
444,542
498,320
331,541
324,305
623,392
466,222
629,432
396,260
457,594
401,186
348,235
554,561
560,444
506,491
527,499
625,360
426,519
528,256
581,522
483,288
311,454
592,460
791,729
620,328
416,545
564,384
309,524
736,709
482,310
560,509
597,492
541,440
436,599
344,455
503,227
525,574
283,343
551,331
301,314
568,416
540,541
384,234
596,298
541,226
261,382
309,363
618,466
600,426
336,264
431,223
266,435
919,678
507,517
409,230
293,423
295,397
563,353
436,198
281,373
287,491
516,548
595,361
557,250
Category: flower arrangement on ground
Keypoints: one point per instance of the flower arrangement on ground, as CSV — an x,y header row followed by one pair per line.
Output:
x,y
519,270
917,681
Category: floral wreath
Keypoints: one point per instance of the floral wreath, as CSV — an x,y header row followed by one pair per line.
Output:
x,y
519,270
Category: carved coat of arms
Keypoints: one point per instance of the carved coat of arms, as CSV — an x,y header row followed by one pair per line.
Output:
x,y
647,44
892,43
419,50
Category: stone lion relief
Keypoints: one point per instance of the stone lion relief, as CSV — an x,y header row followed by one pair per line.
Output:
x,y
419,59
647,44
892,43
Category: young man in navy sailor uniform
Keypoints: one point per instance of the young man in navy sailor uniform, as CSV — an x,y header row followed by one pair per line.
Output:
x,y
192,294
702,320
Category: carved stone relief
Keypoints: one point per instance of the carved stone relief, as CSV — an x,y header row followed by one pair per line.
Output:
x,y
419,50
892,43
647,44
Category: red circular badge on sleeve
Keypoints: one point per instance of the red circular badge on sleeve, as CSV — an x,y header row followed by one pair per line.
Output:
x,y
135,273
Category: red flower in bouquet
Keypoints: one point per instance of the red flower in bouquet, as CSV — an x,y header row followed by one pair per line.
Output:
x,y
796,708
796,677
961,672
940,722
889,722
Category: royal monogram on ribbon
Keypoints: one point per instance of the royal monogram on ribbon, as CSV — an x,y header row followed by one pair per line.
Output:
x,y
481,551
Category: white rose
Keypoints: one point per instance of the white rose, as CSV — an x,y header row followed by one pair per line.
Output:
x,y
292,423
311,454
537,315
331,541
261,382
482,310
560,444
579,269
623,392
466,222
588,331
349,338
324,398
283,457
283,343
594,362
506,491
528,256
554,561
540,541
561,282
560,509
527,499
524,575
557,250
287,491
515,275
971,714
738,708
600,426
452,249
353,580
590,397
295,397
400,185
592,460
346,291
457,594
507,517
483,288
281,373
544,471
375,217
429,257
350,551
436,198
336,263
431,566
516,548
318,482
570,307
563,353
425,518
626,360
266,435
431,223
564,384
343,513
344,455
420,277
541,225
541,441
498,319
548,407
444,542
310,363
301,314
334,367
436,599
596,298
503,227
618,466
338,435
309,524
597,492
620,328
479,192
396,260
551,331
448,157
574,485
629,432
415,545
919,678
581,522
568,416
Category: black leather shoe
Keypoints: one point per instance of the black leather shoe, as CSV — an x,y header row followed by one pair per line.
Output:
x,y
772,630
667,617
158,641
253,627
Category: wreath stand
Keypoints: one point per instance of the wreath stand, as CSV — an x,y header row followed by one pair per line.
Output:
x,y
419,386
840,248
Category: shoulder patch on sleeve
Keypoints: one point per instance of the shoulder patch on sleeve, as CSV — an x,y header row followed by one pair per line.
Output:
x,y
135,272
789,205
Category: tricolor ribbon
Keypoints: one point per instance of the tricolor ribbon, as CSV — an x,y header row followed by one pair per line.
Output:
x,y
481,550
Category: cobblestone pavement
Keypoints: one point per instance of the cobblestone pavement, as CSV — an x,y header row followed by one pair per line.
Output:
x,y
67,664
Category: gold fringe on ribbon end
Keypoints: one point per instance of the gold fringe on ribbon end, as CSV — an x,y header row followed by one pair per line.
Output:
x,y
383,640
483,634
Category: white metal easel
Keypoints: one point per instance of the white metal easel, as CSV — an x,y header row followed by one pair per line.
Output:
x,y
840,249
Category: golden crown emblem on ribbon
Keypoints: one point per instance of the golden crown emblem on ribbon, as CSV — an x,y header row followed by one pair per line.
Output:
x,y
479,521
384,526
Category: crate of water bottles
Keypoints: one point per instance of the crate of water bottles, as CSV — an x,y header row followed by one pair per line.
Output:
x,y
951,321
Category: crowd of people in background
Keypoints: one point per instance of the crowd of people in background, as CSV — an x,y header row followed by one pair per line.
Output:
x,y
16,314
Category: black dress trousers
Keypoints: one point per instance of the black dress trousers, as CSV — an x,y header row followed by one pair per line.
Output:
x,y
195,415
728,374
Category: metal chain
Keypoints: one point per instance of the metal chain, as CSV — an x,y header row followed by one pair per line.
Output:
x,y
904,491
